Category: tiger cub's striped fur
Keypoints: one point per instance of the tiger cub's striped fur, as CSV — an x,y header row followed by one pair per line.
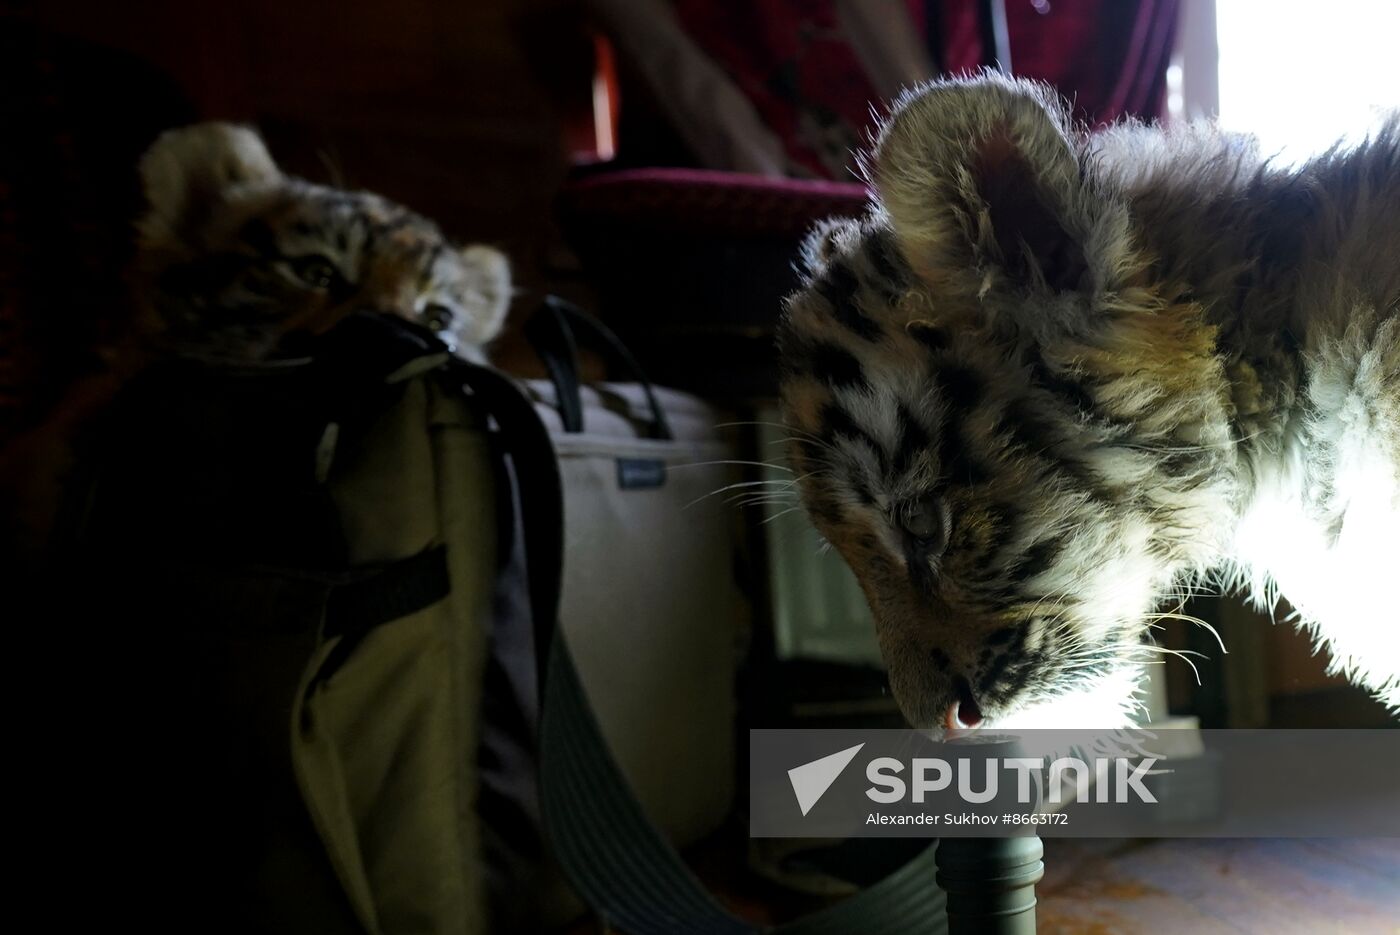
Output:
x,y
235,255
1049,378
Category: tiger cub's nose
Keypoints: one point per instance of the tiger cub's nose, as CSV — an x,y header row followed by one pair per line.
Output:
x,y
962,713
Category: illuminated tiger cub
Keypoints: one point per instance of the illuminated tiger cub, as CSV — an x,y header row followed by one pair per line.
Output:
x,y
234,255
1050,378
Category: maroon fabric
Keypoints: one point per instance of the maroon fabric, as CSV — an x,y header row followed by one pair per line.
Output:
x,y
792,60
1108,56
695,202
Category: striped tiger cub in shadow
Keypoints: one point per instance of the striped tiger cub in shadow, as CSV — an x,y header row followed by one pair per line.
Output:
x,y
236,262
1050,379
234,255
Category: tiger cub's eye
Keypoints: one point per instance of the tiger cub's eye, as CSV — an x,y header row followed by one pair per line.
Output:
x,y
316,271
925,522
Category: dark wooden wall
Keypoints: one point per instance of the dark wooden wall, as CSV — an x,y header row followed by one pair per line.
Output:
x,y
455,107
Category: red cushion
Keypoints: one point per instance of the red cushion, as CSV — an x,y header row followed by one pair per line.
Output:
x,y
695,201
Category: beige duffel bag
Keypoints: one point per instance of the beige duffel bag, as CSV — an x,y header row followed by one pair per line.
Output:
x,y
650,604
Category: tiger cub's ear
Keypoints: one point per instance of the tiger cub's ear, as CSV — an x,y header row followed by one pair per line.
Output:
x,y
981,180
187,171
489,286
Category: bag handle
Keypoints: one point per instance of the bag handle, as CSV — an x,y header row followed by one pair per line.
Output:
x,y
552,331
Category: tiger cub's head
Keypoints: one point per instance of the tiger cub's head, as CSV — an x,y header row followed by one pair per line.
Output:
x,y
1002,420
235,256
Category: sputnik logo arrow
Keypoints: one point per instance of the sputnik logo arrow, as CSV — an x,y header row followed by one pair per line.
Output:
x,y
811,780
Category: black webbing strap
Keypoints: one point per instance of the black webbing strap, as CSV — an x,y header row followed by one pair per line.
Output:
x,y
620,864
357,606
524,440
397,590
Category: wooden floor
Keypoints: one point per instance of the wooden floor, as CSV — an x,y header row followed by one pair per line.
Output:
x,y
1158,887
1203,887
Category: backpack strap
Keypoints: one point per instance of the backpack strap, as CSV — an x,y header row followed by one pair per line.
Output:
x,y
620,864
525,442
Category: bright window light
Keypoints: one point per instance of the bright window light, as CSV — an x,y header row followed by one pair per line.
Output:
x,y
1301,75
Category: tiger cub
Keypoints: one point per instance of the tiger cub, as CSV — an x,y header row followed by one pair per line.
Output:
x,y
1050,379
234,255
235,263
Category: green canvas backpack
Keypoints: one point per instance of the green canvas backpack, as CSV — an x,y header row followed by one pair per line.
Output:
x,y
305,556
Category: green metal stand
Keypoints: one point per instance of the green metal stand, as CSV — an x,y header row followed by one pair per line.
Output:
x,y
990,884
